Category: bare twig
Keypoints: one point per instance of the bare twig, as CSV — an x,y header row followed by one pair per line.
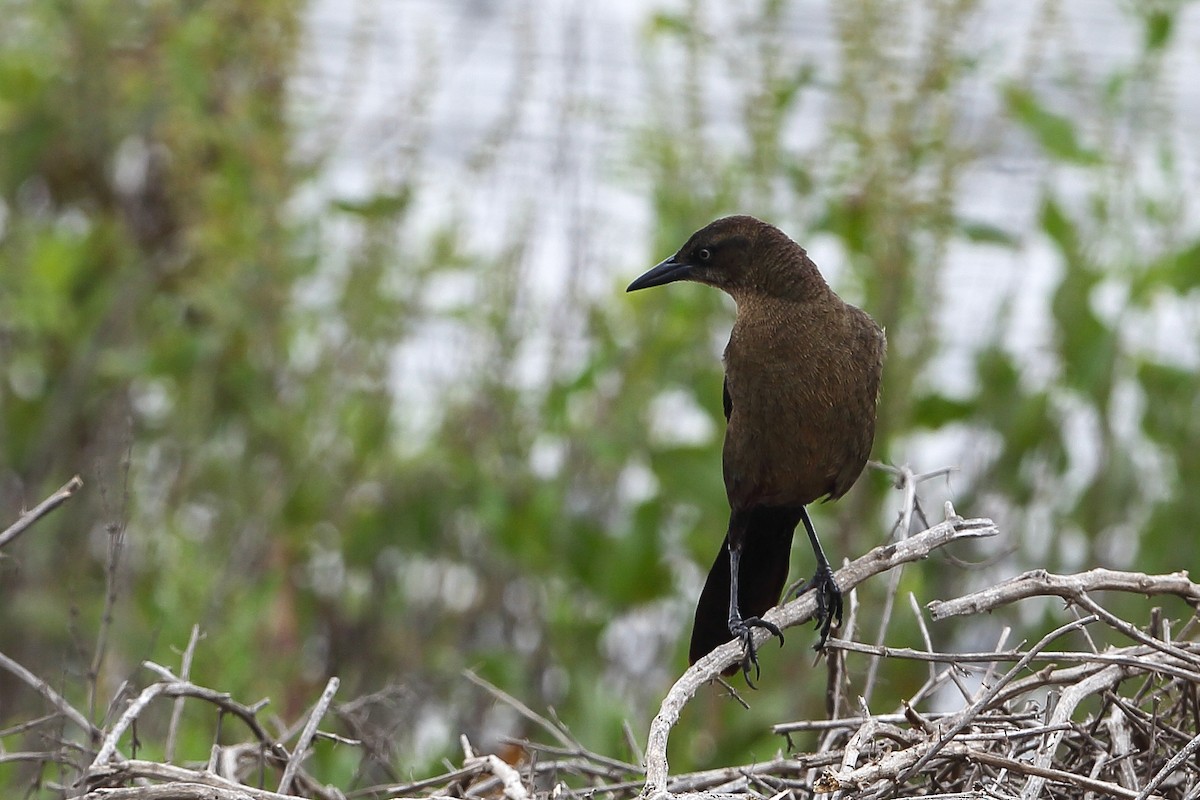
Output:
x,y
522,709
1179,758
1055,775
185,669
968,714
952,673
179,790
30,724
39,756
127,718
1132,632
1039,582
43,508
612,764
905,480
1122,746
509,777
53,697
1018,736
214,786
635,747
115,528
409,789
173,687
1068,701
1131,656
797,611
851,723
306,736
835,663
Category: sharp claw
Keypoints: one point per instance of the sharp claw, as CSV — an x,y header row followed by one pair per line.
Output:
x,y
750,657
746,662
829,602
744,630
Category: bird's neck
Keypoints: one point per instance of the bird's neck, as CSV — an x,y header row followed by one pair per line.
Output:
x,y
785,275
783,299
768,318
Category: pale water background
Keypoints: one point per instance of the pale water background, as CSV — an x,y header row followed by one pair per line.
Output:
x,y
517,118
421,87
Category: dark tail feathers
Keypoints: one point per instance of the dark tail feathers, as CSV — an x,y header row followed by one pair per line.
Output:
x,y
765,553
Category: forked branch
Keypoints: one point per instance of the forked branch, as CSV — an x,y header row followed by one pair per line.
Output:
x,y
798,611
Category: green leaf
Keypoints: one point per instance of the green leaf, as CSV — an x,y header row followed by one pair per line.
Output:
x,y
1054,132
937,410
1178,271
1059,227
1087,346
1159,25
1169,418
997,373
380,205
985,233
664,24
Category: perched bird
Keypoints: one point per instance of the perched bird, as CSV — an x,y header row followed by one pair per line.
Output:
x,y
802,373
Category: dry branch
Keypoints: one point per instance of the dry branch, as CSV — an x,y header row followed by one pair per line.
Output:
x,y
54,698
177,782
179,688
185,670
107,767
306,736
794,613
1031,722
1040,583
43,508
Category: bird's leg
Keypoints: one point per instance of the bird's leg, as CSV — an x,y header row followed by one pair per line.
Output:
x,y
740,628
829,594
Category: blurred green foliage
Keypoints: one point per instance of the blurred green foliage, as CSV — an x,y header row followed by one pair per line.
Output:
x,y
175,327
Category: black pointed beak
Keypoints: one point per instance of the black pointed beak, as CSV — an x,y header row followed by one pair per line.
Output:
x,y
667,271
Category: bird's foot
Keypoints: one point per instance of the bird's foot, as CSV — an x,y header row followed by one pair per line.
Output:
x,y
829,601
743,629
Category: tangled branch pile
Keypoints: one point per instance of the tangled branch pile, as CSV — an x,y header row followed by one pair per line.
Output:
x,y
1031,722
1065,724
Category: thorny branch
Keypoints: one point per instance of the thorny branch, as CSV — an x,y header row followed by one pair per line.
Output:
x,y
26,520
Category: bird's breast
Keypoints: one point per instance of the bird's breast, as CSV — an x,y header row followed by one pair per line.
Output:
x,y
803,396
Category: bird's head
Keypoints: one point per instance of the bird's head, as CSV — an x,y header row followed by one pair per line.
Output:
x,y
739,255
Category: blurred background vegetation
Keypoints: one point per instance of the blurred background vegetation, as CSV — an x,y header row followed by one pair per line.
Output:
x,y
352,383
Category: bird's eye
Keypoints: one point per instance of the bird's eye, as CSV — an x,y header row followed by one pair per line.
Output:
x,y
705,254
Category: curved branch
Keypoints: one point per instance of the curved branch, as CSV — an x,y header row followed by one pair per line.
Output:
x,y
1039,582
798,611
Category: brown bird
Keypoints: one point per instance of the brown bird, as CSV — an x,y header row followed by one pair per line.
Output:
x,y
802,373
